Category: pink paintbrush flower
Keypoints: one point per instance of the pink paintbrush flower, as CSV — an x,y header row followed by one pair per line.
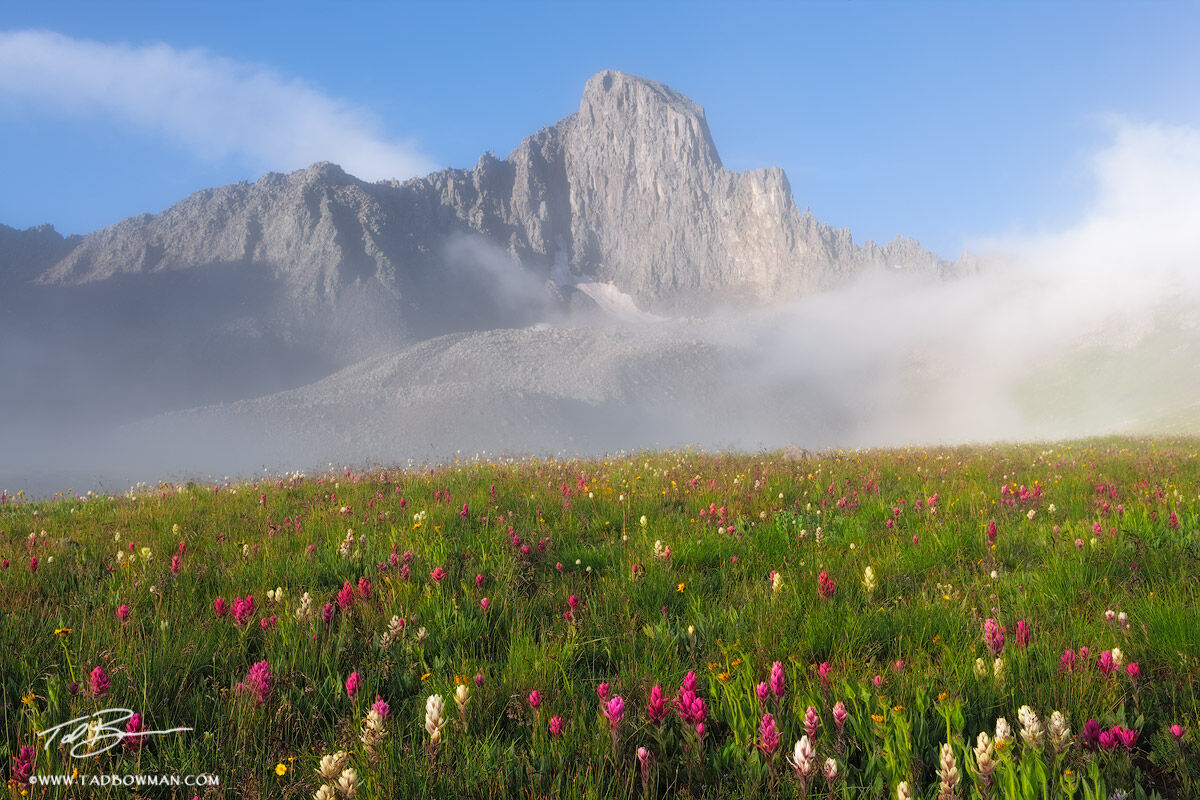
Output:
x,y
778,682
657,709
98,682
840,715
768,737
614,710
257,682
812,721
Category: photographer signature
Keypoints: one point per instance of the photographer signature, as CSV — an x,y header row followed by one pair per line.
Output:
x,y
85,736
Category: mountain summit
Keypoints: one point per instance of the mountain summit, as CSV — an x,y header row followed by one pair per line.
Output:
x,y
630,190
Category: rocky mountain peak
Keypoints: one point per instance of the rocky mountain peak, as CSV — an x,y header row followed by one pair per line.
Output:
x,y
630,190
638,113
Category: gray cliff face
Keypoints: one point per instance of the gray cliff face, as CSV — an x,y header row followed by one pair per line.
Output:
x,y
628,190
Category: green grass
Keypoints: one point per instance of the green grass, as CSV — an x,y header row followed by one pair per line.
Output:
x,y
641,620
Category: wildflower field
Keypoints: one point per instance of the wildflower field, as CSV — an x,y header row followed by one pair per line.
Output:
x,y
1008,621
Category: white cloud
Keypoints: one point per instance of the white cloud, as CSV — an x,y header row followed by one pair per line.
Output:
x,y
213,106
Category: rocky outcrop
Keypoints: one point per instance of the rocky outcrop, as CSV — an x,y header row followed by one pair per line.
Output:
x,y
25,254
630,190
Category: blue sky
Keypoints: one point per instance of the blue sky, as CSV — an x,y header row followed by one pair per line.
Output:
x,y
944,121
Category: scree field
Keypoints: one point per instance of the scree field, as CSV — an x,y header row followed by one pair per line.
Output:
x,y
1007,621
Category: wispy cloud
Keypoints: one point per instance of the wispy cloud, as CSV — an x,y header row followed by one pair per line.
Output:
x,y
213,106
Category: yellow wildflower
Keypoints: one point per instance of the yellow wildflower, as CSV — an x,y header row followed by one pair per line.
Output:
x,y
878,718
281,769
61,631
681,587
29,698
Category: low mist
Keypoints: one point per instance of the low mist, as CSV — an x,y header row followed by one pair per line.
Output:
x,y
1088,330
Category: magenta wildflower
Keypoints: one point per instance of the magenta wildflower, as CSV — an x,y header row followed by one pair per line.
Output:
x,y
823,673
243,609
267,622
691,707
657,709
175,565
23,765
379,707
602,691
364,587
479,581
1178,731
689,681
1125,736
352,684
993,635
134,726
768,737
345,597
812,721
257,681
485,604
840,715
122,612
1090,734
991,532
762,690
573,602
1068,660
535,699
327,613
219,607
1106,663
614,710
556,727
1107,740
1132,670
479,680
1022,633
778,682
437,574
826,587
98,682
33,564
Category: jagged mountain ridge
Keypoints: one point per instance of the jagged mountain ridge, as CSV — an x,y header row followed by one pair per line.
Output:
x,y
629,190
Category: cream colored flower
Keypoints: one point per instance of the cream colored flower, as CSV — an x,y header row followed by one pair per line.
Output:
x,y
332,764
347,782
